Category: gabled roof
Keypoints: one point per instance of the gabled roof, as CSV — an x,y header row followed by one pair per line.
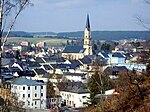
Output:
x,y
76,62
74,87
26,73
75,74
120,68
86,60
119,55
105,54
33,64
65,66
47,67
25,81
15,69
39,60
54,59
40,71
115,69
73,49
7,61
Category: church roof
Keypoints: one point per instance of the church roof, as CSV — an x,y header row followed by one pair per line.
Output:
x,y
73,49
88,22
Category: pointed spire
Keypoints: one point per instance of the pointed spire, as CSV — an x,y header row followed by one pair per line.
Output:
x,y
88,22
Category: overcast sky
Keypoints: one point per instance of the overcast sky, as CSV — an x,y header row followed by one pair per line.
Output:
x,y
70,15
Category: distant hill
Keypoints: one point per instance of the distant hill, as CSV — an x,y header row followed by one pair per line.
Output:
x,y
96,35
43,33
110,35
18,34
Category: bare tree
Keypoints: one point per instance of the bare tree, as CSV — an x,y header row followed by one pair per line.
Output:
x,y
12,103
10,9
143,22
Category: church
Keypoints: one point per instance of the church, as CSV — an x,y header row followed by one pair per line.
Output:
x,y
76,52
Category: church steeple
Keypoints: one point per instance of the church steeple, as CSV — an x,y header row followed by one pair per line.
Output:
x,y
87,38
88,22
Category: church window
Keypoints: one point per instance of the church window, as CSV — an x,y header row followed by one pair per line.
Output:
x,y
85,42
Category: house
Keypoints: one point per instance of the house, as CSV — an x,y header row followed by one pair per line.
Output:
x,y
29,74
54,101
40,60
76,77
116,58
114,71
74,94
62,68
7,62
85,63
31,92
47,68
104,54
33,65
53,60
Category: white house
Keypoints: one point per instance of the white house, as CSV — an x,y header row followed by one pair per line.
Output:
x,y
74,94
76,76
116,58
31,92
75,99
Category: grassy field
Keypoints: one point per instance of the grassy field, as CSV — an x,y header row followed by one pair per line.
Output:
x,y
49,41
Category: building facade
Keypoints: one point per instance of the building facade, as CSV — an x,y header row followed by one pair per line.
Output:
x,y
31,92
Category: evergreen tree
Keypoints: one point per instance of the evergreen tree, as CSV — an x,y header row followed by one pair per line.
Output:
x,y
98,82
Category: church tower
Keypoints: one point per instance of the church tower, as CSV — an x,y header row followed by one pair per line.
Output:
x,y
87,38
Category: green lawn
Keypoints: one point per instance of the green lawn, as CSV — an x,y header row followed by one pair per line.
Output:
x,y
48,41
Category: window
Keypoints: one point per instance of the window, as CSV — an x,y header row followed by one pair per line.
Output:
x,y
41,94
23,95
28,88
35,95
23,88
28,103
83,96
35,102
29,95
35,87
41,87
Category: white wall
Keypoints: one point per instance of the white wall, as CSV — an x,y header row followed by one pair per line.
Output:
x,y
30,101
74,99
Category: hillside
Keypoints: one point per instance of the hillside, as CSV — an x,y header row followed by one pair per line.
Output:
x,y
96,35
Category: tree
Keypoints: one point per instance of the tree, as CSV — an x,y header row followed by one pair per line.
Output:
x,y
10,9
68,43
95,47
12,103
133,94
105,47
99,82
17,54
50,89
72,42
142,21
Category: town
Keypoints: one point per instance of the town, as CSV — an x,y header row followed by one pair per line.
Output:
x,y
57,78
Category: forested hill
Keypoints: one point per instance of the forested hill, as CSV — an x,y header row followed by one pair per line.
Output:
x,y
96,35
110,35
